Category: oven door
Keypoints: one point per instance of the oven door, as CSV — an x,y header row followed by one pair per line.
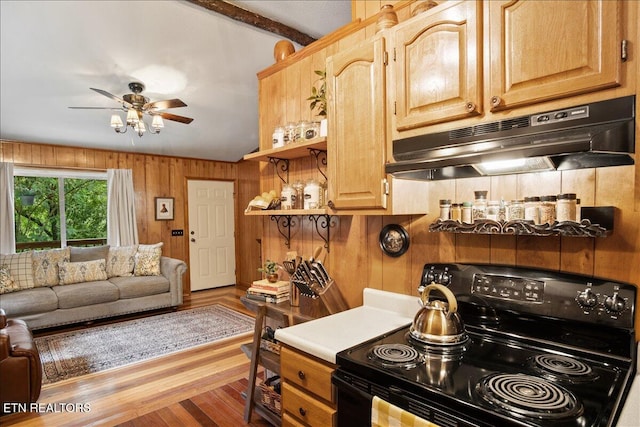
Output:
x,y
355,395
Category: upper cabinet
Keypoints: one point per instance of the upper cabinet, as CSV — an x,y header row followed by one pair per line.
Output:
x,y
356,139
437,66
544,50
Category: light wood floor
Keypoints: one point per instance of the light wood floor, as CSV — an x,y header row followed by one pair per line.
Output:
x,y
197,387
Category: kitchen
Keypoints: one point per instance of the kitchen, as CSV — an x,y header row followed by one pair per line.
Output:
x,y
356,230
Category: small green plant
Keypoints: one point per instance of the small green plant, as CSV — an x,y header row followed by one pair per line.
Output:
x,y
269,267
318,94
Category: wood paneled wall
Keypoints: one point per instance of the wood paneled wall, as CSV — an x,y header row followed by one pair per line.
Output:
x,y
161,176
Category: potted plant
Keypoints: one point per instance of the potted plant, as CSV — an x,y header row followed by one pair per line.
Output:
x,y
318,94
270,269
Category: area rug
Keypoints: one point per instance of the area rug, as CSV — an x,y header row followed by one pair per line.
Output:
x,y
72,354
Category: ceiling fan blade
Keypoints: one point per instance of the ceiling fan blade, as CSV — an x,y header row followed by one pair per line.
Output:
x,y
163,105
175,118
115,98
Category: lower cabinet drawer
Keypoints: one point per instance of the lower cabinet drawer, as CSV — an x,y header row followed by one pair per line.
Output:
x,y
307,373
305,408
289,421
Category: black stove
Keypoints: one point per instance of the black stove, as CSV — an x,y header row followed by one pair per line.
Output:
x,y
539,352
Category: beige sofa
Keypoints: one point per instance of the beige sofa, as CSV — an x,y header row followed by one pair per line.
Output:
x,y
64,286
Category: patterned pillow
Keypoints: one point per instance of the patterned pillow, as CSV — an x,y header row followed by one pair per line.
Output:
x,y
121,260
21,268
87,271
7,284
148,260
45,266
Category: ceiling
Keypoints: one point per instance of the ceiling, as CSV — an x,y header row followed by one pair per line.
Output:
x,y
52,52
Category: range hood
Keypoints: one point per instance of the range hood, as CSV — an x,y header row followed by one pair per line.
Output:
x,y
586,136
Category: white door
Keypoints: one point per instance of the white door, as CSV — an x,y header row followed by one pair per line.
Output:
x,y
212,260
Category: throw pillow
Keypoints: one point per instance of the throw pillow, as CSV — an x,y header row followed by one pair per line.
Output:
x,y
148,260
121,260
87,271
21,268
7,284
45,266
90,253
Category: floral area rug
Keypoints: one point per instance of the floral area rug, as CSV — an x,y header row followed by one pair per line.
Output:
x,y
72,354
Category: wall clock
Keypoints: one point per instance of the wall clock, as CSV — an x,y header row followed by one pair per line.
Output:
x,y
394,240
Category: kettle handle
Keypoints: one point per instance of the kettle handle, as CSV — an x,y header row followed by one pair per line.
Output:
x,y
451,298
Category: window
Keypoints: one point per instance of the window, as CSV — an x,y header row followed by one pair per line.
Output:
x,y
58,208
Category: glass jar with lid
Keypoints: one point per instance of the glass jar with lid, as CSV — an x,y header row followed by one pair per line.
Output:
x,y
312,194
467,212
298,196
566,207
445,209
287,198
515,210
289,133
532,209
493,210
547,209
456,212
278,136
480,205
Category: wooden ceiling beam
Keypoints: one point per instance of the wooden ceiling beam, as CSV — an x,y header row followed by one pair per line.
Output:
x,y
237,13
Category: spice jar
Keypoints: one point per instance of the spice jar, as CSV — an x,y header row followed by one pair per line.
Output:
x,y
289,133
278,136
566,207
286,197
445,209
547,209
532,209
311,130
480,205
456,212
298,196
312,194
467,214
515,211
493,210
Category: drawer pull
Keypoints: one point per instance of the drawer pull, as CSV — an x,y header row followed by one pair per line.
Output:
x,y
301,375
302,411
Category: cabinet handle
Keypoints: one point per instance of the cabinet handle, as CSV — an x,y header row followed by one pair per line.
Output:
x,y
330,204
302,411
471,107
496,101
301,375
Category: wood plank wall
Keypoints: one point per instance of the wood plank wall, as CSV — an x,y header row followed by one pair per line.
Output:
x,y
161,176
355,259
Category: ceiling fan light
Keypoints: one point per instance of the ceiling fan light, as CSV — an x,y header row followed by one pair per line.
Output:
x,y
140,127
132,116
157,122
116,121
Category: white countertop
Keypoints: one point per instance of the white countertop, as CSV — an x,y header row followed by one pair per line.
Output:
x,y
324,337
630,416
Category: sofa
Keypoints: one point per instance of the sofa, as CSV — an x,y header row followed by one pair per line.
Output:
x,y
20,365
59,287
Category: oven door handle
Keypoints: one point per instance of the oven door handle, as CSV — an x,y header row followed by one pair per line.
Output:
x,y
341,383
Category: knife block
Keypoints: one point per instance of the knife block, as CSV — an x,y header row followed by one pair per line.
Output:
x,y
332,298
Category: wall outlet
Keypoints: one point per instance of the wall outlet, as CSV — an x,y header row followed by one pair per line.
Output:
x,y
177,232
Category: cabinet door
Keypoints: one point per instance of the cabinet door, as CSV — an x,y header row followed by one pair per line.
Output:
x,y
543,50
438,66
356,126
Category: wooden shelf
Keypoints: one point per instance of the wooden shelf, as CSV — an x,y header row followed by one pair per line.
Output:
x,y
294,150
290,212
527,228
267,359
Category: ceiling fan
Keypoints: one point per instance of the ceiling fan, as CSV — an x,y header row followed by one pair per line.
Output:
x,y
136,106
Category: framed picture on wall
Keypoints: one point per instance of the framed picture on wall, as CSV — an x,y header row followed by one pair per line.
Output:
x,y
164,208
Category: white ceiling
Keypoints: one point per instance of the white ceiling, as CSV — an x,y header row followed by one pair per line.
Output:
x,y
52,52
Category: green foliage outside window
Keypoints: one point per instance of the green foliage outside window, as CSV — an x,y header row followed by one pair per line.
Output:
x,y
37,209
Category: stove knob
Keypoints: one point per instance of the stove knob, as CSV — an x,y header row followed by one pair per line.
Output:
x,y
614,303
430,277
445,278
587,299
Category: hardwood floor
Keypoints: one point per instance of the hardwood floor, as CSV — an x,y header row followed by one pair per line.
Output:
x,y
198,387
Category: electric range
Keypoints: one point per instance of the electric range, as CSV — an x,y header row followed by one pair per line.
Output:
x,y
543,349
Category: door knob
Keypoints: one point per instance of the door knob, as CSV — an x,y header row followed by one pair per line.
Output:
x,y
192,232
193,240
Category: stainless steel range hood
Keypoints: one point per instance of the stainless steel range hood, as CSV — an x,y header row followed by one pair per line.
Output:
x,y
586,136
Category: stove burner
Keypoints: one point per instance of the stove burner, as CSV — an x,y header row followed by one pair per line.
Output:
x,y
395,356
556,367
528,396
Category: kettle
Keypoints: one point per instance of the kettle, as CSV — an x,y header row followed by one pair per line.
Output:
x,y
438,322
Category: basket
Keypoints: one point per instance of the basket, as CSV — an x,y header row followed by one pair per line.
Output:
x,y
270,398
271,346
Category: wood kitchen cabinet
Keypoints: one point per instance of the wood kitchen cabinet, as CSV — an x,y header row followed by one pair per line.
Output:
x,y
307,393
437,66
544,50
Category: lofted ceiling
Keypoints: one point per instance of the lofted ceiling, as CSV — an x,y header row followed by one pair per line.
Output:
x,y
52,52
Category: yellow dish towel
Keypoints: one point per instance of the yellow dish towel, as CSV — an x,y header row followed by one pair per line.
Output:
x,y
384,414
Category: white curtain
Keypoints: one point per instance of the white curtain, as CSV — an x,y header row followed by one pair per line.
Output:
x,y
7,221
121,209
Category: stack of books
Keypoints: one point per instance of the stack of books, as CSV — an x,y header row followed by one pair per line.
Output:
x,y
263,290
